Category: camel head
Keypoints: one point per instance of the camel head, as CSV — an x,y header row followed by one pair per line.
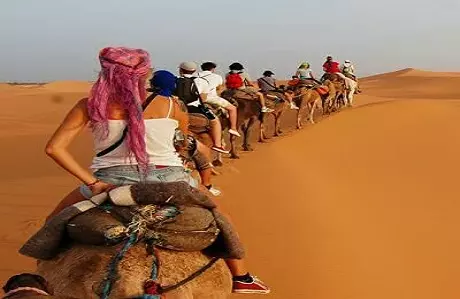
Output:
x,y
27,282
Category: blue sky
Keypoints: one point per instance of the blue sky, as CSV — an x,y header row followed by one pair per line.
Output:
x,y
59,39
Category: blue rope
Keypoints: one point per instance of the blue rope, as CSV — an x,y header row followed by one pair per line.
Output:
x,y
112,271
154,273
153,277
167,213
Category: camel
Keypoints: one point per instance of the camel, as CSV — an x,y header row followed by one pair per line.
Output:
x,y
346,88
340,87
308,97
248,112
351,88
278,99
328,101
79,272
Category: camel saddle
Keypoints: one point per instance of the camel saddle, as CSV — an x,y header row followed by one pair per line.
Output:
x,y
310,84
172,215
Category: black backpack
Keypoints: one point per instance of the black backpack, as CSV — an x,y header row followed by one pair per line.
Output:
x,y
186,90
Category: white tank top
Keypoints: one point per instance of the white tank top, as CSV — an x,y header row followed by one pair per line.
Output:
x,y
159,139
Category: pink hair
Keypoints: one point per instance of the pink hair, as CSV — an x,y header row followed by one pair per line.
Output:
x,y
122,80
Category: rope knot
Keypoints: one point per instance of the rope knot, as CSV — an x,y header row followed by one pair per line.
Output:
x,y
151,287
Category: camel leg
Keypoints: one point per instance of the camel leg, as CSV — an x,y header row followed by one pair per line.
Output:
x,y
339,101
219,161
311,112
278,131
262,135
246,131
261,132
329,103
324,107
299,123
233,153
350,97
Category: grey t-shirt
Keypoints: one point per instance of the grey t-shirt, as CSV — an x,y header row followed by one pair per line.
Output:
x,y
267,83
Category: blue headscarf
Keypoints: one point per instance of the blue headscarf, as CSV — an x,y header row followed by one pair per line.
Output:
x,y
164,83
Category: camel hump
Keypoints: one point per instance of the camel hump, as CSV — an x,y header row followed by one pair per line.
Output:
x,y
80,271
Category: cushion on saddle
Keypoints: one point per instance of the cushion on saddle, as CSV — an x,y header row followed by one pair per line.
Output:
x,y
322,90
193,229
194,222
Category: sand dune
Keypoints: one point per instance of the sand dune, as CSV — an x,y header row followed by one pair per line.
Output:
x,y
362,205
67,86
413,84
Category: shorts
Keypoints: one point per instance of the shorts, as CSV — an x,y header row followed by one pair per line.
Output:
x,y
201,109
218,101
129,175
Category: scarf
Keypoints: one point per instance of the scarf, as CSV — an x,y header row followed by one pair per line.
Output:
x,y
163,83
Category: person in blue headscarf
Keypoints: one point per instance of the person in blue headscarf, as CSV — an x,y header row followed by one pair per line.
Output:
x,y
163,84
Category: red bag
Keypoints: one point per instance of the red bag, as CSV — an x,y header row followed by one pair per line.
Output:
x,y
234,81
322,90
294,82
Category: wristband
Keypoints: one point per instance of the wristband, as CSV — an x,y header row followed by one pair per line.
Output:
x,y
93,183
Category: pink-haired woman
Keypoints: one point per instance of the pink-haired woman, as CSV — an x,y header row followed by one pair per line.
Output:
x,y
133,138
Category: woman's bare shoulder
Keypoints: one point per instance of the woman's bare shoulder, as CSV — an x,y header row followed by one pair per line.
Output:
x,y
82,103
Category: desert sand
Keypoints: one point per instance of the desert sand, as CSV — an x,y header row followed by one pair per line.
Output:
x,y
362,205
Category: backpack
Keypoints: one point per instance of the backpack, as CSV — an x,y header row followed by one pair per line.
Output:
x,y
234,81
186,90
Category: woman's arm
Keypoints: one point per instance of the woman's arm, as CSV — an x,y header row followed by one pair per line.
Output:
x,y
181,115
75,121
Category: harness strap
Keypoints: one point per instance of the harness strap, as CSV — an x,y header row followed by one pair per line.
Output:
x,y
112,275
190,278
25,289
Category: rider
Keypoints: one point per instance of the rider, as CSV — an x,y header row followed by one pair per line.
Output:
x,y
192,91
215,87
187,146
268,83
333,67
304,72
237,78
131,146
348,69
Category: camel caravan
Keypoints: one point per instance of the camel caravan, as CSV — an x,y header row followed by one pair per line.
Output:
x,y
142,224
